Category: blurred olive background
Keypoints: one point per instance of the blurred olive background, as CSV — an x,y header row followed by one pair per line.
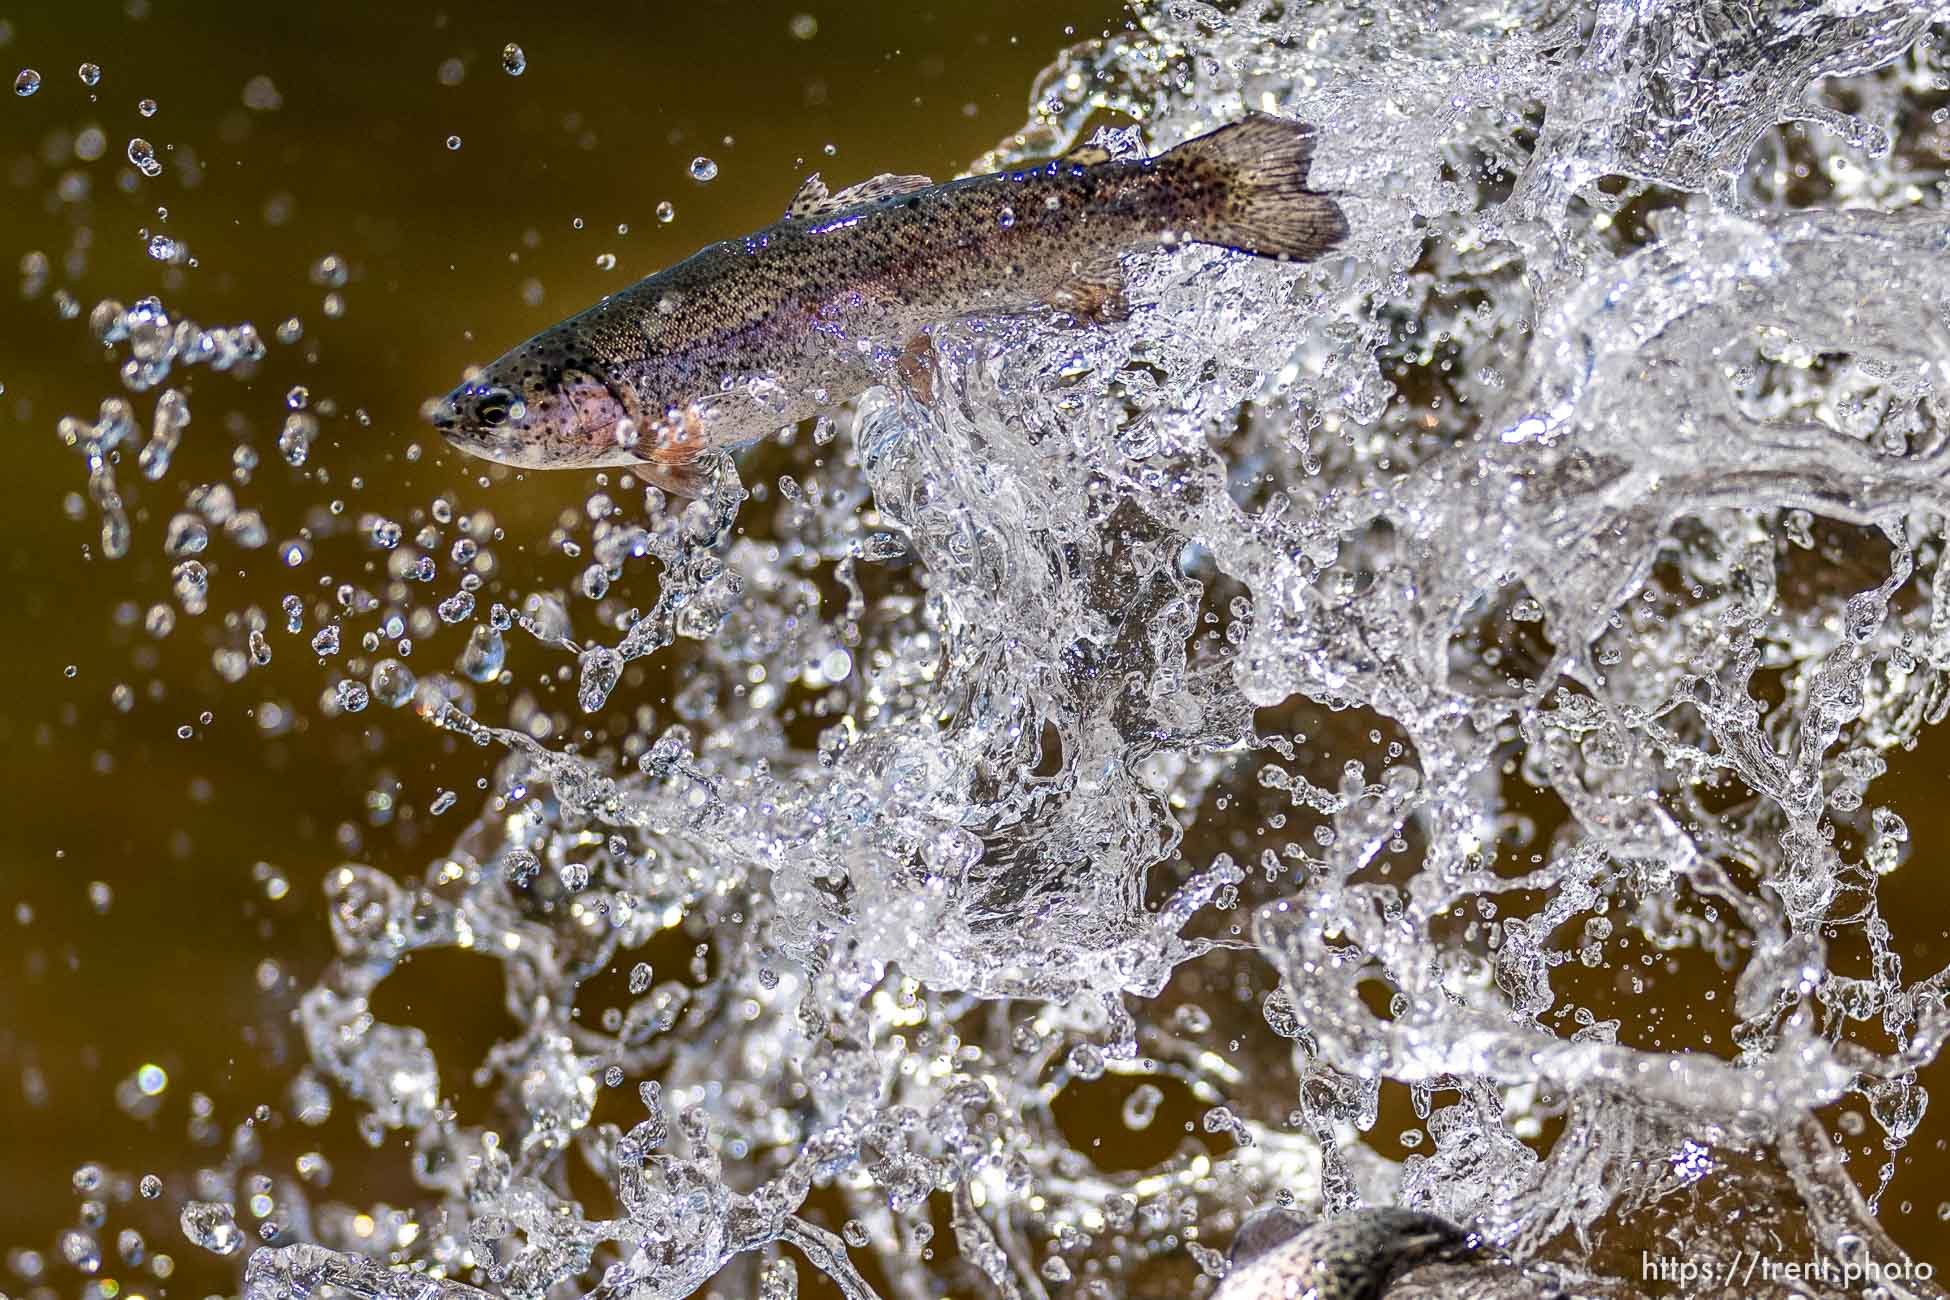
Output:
x,y
159,875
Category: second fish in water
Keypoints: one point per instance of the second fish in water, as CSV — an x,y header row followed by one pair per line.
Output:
x,y
755,333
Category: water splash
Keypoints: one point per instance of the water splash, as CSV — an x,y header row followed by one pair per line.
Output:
x,y
1016,758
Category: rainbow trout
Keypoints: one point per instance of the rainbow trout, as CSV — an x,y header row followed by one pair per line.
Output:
x,y
1355,1256
752,334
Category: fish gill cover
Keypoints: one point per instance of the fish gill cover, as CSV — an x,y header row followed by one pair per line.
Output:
x,y
1601,483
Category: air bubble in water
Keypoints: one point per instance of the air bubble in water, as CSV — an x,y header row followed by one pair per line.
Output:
x,y
513,61
147,107
90,74
803,27
703,169
666,212
27,82
453,142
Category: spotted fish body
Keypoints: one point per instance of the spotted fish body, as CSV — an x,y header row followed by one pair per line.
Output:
x,y
752,334
1355,1256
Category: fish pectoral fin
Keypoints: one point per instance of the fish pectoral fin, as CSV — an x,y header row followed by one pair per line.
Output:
x,y
687,479
811,200
884,186
916,367
674,452
1095,294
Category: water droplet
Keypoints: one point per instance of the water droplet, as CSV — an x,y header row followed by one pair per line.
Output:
x,y
151,1187
143,155
453,142
352,696
601,666
392,683
27,82
606,261
147,108
666,213
90,74
188,535
213,1227
81,1250
164,249
703,169
329,271
521,867
1141,1107
484,655
513,61
261,95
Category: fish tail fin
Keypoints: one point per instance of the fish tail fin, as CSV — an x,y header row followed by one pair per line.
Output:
x,y
1260,203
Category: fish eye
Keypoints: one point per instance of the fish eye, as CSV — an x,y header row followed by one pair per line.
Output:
x,y
496,406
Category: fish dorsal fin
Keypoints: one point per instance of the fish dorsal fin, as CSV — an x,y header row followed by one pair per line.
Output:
x,y
811,199
884,186
1088,155
1265,1232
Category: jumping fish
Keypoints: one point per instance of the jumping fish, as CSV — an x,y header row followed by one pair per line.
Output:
x,y
752,334
1358,1256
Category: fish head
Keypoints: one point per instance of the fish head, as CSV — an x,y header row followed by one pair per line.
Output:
x,y
536,411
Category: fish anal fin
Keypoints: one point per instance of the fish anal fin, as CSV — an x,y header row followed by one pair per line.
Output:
x,y
689,481
1095,293
811,200
1265,1232
884,186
